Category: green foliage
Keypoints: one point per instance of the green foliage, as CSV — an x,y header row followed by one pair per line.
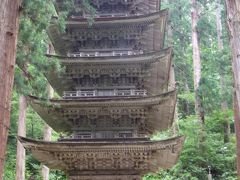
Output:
x,y
194,162
32,45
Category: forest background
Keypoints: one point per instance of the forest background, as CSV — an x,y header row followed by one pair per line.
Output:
x,y
210,145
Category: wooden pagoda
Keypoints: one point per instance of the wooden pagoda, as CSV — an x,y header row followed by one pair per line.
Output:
x,y
115,93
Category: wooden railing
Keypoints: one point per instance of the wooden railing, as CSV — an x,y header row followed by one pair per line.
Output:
x,y
93,93
110,53
103,135
105,15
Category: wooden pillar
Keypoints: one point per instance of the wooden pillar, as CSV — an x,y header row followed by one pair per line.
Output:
x,y
9,15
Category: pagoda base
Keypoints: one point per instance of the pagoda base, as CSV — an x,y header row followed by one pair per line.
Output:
x,y
105,177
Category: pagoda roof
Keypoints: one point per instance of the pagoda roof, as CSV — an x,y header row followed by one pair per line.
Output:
x,y
106,60
61,43
147,3
157,111
154,67
119,21
106,157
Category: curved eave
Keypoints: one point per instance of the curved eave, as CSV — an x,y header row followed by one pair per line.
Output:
x,y
164,153
160,60
159,116
162,55
109,101
59,6
129,20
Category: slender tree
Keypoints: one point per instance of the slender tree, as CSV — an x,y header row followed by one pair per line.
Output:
x,y
196,60
233,23
9,16
224,104
172,80
47,135
20,167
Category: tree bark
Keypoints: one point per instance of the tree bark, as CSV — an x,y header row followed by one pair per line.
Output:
x,y
47,136
172,79
237,129
20,167
224,104
233,23
9,15
196,61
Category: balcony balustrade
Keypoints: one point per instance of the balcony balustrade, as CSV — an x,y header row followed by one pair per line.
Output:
x,y
105,53
103,15
95,93
104,134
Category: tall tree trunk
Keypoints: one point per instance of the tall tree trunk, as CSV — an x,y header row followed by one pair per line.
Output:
x,y
233,22
9,14
47,137
172,79
224,104
237,129
20,167
196,61
187,90
185,81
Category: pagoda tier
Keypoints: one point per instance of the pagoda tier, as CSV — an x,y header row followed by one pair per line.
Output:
x,y
110,8
98,160
101,76
108,117
135,35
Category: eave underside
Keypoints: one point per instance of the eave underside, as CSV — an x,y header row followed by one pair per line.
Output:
x,y
106,158
154,25
152,69
155,113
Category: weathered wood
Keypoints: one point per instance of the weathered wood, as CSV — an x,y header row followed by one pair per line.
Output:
x,y
20,167
57,115
133,157
9,13
114,54
151,71
233,23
